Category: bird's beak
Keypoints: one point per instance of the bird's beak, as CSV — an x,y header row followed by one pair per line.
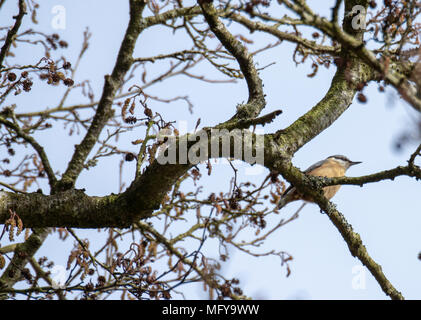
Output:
x,y
353,163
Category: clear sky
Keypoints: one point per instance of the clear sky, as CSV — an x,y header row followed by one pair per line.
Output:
x,y
387,215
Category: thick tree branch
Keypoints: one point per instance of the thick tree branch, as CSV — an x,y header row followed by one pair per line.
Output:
x,y
103,114
74,208
339,97
247,123
410,171
336,101
112,83
352,39
353,239
303,129
23,252
256,100
67,207
12,32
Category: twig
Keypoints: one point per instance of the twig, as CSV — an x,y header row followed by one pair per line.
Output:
x,y
256,99
11,187
40,150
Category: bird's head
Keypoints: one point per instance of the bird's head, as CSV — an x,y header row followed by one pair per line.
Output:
x,y
343,161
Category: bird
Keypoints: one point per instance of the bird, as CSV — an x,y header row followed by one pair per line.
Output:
x,y
333,166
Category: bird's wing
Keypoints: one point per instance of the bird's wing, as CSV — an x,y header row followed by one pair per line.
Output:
x,y
286,197
291,189
314,166
287,190
309,169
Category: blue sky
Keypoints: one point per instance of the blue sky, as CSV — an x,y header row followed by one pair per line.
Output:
x,y
385,214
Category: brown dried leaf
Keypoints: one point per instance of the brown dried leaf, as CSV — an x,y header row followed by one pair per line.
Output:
x,y
124,108
26,234
20,225
315,68
138,141
34,17
131,110
288,271
12,225
209,167
244,39
2,261
153,249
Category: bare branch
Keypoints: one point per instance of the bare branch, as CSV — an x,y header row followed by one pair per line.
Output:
x,y
112,84
256,100
12,32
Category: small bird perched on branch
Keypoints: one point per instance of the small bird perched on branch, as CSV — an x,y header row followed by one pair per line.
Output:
x,y
333,166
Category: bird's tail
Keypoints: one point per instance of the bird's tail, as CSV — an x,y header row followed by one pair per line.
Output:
x,y
286,197
282,202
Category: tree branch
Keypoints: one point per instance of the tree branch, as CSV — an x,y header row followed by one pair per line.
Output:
x,y
23,253
353,40
353,239
12,32
290,37
38,148
410,171
256,100
112,83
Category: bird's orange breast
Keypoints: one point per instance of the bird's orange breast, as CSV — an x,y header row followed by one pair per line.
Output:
x,y
329,169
